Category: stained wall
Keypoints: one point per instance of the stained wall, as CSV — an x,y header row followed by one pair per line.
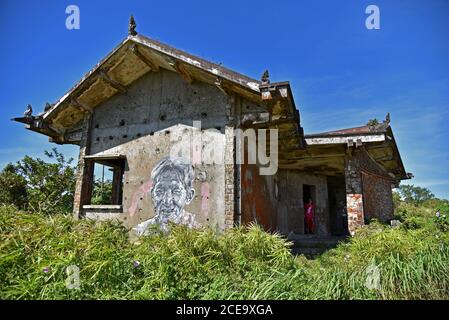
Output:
x,y
151,120
276,201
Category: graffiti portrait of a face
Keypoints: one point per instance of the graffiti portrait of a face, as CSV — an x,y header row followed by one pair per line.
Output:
x,y
172,187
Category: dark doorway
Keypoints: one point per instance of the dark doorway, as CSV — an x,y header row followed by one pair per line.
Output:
x,y
337,205
308,193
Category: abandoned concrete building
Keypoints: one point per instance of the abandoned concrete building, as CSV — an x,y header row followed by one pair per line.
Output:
x,y
124,113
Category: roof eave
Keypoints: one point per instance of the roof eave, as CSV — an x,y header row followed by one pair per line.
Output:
x,y
210,67
49,113
36,124
242,81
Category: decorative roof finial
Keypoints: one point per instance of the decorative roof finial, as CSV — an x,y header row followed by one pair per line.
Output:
x,y
387,118
47,107
28,112
132,26
265,77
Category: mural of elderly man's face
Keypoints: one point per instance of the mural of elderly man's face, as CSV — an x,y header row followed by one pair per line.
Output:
x,y
171,192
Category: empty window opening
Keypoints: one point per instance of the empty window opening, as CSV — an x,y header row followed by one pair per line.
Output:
x,y
107,181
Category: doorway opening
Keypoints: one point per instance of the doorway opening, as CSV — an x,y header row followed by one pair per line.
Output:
x,y
336,188
309,205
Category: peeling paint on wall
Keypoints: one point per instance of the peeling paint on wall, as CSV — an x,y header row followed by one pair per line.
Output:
x,y
205,199
141,192
145,125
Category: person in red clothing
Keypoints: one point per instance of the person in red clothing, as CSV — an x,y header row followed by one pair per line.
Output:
x,y
309,215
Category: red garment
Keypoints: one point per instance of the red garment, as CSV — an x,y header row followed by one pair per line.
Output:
x,y
309,213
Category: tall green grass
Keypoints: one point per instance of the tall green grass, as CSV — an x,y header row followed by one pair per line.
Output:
x,y
241,263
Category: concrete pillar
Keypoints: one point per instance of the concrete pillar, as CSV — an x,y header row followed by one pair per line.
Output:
x,y
230,165
354,194
117,185
84,172
229,178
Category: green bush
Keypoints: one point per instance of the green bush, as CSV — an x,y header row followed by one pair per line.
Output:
x,y
35,185
432,213
13,187
414,194
240,263
442,221
102,192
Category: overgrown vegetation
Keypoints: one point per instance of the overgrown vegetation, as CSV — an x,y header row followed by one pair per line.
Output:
x,y
414,195
416,207
242,263
39,240
102,192
35,185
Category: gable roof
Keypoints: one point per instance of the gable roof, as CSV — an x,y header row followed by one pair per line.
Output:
x,y
378,139
134,57
362,130
149,55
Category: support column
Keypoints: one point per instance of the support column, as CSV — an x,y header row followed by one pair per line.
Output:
x,y
84,172
354,194
230,166
117,185
229,178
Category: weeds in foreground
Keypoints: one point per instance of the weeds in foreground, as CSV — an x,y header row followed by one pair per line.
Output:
x,y
241,263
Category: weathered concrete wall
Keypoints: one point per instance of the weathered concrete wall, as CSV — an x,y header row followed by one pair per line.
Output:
x,y
276,201
357,193
354,206
259,197
147,121
377,197
292,206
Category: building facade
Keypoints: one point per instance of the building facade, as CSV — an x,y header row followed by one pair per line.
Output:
x,y
175,132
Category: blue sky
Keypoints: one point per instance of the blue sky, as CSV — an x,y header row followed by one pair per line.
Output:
x,y
342,74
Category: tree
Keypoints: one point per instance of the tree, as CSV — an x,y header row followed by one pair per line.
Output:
x,y
102,192
13,187
396,199
49,187
415,195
